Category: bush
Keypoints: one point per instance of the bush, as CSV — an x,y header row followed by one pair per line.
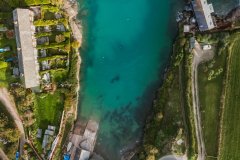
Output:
x,y
43,34
50,8
3,64
42,22
52,45
37,2
76,44
51,58
67,34
60,38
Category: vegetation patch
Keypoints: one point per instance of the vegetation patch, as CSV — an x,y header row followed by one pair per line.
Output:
x,y
229,147
210,81
9,133
164,131
49,109
210,93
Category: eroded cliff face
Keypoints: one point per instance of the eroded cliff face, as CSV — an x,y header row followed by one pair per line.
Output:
x,y
71,8
233,15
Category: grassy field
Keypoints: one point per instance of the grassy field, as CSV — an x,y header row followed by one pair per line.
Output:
x,y
230,147
49,109
210,92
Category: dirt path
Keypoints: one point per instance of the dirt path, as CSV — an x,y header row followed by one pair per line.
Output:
x,y
3,155
180,71
199,57
174,157
11,108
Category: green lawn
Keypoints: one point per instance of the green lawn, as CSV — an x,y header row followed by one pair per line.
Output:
x,y
3,77
210,92
49,109
230,147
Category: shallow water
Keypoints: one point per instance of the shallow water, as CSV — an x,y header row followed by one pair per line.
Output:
x,y
126,46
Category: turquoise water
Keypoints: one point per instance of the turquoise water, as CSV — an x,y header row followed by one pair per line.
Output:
x,y
126,47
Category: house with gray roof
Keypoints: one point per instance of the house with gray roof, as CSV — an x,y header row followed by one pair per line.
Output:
x,y
26,48
203,12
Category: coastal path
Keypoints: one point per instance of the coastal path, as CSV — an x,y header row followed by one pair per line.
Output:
x,y
3,155
199,56
12,110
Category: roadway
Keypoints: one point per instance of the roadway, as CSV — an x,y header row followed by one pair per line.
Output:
x,y
199,56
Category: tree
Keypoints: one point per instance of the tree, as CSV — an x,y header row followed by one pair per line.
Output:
x,y
67,48
60,38
76,44
57,2
150,157
3,65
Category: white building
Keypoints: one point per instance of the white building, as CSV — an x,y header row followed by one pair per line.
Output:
x,y
26,47
203,12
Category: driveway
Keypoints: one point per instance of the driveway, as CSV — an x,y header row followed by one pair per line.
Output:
x,y
199,57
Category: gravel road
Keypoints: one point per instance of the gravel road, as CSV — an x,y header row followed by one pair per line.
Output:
x,y
199,57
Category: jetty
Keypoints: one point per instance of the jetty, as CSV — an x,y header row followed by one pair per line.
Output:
x,y
82,141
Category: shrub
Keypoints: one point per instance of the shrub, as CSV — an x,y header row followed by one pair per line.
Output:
x,y
76,44
51,58
42,22
60,38
43,34
50,8
37,2
3,65
53,45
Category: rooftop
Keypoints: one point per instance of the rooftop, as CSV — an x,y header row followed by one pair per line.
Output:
x,y
203,12
27,53
84,155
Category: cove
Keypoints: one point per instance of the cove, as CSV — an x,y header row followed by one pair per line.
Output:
x,y
126,47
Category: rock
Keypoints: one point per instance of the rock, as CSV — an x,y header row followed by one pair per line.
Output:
x,y
233,15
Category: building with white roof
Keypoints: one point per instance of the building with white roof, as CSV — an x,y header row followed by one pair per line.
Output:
x,y
203,12
84,155
26,47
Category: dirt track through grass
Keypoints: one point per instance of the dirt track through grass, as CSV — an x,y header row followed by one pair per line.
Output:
x,y
210,93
